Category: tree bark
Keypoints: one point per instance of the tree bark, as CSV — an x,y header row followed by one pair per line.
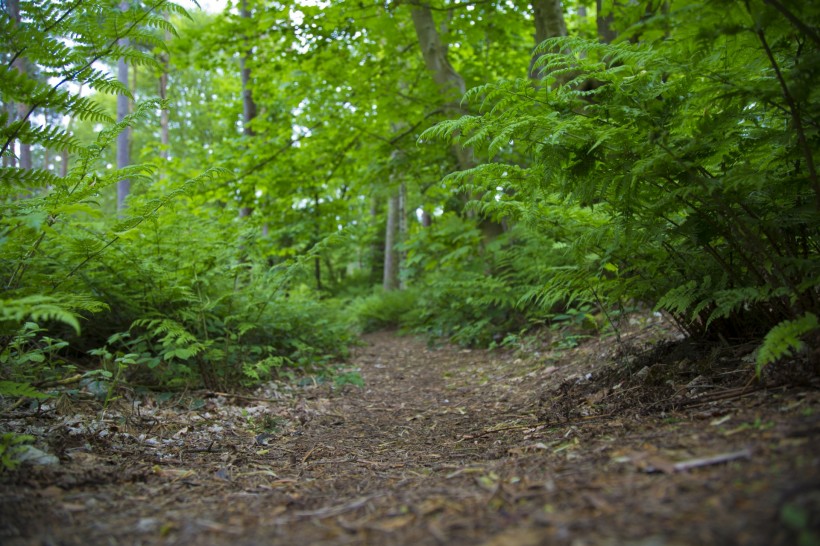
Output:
x,y
124,138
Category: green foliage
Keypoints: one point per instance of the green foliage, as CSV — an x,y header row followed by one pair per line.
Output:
x,y
678,170
797,519
785,339
209,310
476,292
343,378
383,310
674,167
11,445
15,389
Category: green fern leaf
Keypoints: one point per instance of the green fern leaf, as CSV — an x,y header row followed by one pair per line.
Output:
x,y
785,339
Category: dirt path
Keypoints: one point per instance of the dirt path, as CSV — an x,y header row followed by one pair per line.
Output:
x,y
440,447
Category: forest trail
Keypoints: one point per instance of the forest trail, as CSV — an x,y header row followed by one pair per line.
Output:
x,y
441,446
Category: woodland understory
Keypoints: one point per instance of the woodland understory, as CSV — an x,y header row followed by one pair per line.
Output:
x,y
412,272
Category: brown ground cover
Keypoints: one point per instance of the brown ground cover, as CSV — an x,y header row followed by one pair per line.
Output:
x,y
604,444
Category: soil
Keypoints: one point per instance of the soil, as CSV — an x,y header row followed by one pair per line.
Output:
x,y
607,443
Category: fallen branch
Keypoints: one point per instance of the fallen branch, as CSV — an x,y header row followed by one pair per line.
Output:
x,y
242,397
657,465
683,466
59,382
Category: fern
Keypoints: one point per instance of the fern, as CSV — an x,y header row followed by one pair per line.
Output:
x,y
13,388
64,308
785,339
685,159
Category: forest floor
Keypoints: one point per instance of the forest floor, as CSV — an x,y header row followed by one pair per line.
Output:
x,y
607,443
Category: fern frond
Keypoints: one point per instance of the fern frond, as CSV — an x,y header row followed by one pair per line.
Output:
x,y
16,389
28,179
785,339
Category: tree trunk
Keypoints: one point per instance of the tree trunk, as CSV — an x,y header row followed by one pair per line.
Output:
x,y
434,52
449,82
604,24
391,258
426,219
64,163
25,149
64,155
548,16
124,138
248,111
377,244
317,236
402,235
9,159
164,135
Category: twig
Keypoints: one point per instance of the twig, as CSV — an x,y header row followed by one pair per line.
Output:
x,y
59,382
242,397
309,453
730,394
683,466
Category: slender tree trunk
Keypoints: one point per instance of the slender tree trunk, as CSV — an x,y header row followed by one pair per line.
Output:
x,y
164,135
435,56
64,155
451,85
402,235
391,258
248,109
449,82
317,262
604,23
25,149
426,219
64,163
9,159
124,138
378,244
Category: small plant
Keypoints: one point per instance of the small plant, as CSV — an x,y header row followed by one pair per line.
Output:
x,y
11,445
353,378
383,310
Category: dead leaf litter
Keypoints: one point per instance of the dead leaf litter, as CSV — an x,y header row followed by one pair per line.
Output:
x,y
441,446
